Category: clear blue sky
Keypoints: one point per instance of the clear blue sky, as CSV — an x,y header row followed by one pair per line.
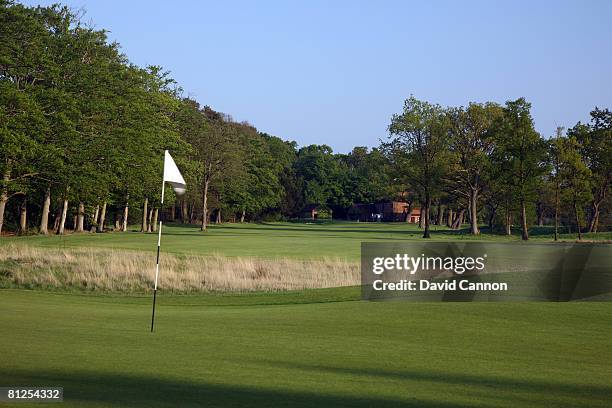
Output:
x,y
334,72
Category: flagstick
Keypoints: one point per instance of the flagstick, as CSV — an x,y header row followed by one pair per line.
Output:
x,y
157,264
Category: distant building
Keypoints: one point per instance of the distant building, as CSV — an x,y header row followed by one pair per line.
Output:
x,y
415,216
389,211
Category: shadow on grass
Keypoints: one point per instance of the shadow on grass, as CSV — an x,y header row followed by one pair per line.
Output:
x,y
546,392
85,389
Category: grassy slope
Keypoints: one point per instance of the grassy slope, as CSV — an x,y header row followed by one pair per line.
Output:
x,y
263,350
271,240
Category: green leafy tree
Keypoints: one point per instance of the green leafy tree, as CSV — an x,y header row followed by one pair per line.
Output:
x,y
520,155
26,61
472,142
320,174
556,147
284,156
595,140
216,147
575,178
256,187
420,135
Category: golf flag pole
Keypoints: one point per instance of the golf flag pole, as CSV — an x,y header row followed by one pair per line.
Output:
x,y
173,176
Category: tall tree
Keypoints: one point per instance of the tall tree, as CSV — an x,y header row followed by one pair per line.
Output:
x,y
284,155
215,143
320,174
421,132
595,141
26,61
575,178
472,142
520,154
256,187
556,159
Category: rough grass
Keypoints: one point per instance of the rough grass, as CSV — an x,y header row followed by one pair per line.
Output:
x,y
24,266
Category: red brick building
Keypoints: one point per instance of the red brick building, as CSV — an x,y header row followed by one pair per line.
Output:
x,y
389,211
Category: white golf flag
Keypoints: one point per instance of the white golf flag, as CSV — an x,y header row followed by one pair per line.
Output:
x,y
172,175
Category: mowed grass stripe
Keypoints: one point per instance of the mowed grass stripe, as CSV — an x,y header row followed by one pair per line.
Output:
x,y
316,354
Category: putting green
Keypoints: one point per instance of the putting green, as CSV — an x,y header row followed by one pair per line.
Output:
x,y
270,350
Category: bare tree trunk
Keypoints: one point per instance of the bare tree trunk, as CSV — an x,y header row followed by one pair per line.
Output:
x,y
422,217
474,211
62,223
155,217
242,215
4,195
449,218
577,221
56,220
102,217
508,222
150,227
23,216
3,200
469,208
218,221
440,214
492,213
185,218
44,219
126,211
593,224
599,197
192,213
204,205
426,233
458,221
145,214
540,211
80,217
524,232
94,221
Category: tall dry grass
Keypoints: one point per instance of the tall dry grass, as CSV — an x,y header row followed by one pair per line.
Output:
x,y
127,271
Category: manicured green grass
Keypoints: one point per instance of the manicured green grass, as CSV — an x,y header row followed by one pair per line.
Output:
x,y
265,350
273,240
314,348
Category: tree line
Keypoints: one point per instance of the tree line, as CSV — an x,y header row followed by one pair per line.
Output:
x,y
83,132
488,160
